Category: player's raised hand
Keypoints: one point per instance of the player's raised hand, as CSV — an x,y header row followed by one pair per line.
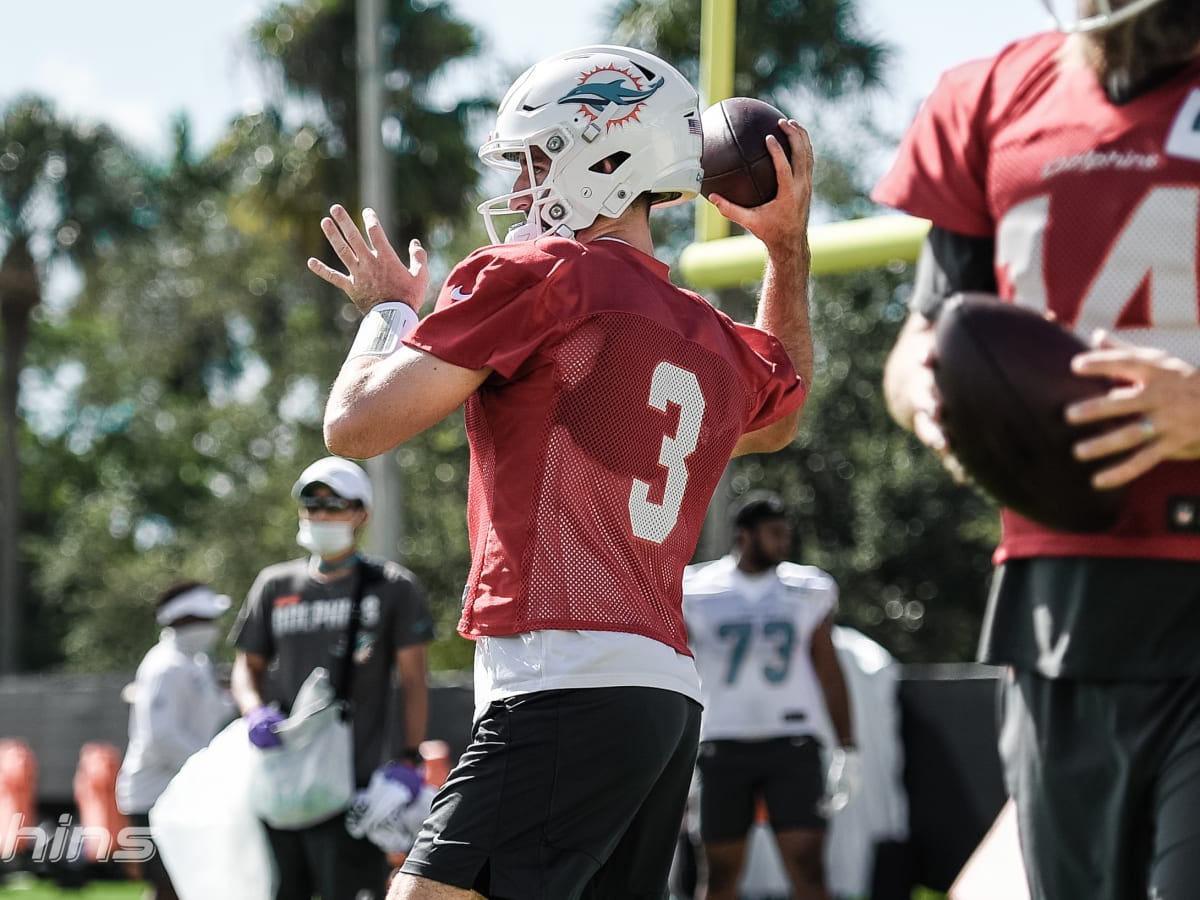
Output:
x,y
782,222
374,273
1156,403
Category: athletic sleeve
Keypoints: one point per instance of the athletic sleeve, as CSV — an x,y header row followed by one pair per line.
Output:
x,y
491,312
779,389
940,166
412,623
949,264
251,632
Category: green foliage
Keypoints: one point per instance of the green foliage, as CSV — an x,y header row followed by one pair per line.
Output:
x,y
311,45
434,468
909,548
182,390
67,194
75,188
780,44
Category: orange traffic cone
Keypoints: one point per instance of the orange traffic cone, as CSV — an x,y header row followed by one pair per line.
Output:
x,y
96,797
18,778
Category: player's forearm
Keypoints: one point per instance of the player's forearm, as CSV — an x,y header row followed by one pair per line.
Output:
x,y
837,699
245,684
378,402
783,305
350,424
907,378
416,713
833,683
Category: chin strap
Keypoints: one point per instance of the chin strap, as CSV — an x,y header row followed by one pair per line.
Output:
x,y
527,231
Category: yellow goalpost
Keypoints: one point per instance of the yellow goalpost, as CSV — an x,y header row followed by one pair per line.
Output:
x,y
716,260
836,247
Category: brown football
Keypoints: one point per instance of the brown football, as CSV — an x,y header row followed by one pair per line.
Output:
x,y
735,159
1004,373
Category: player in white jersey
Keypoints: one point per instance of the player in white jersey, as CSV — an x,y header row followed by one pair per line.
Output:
x,y
760,628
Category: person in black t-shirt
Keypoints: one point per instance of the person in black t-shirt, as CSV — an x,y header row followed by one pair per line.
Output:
x,y
294,618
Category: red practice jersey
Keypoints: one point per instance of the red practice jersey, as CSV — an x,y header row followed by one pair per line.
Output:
x,y
1095,211
597,442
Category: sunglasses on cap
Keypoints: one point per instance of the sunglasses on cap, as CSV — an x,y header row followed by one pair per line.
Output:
x,y
331,503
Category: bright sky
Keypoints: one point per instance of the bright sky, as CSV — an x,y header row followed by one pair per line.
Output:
x,y
135,63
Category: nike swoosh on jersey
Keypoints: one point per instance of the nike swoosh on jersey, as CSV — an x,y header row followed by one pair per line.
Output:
x,y
457,293
438,841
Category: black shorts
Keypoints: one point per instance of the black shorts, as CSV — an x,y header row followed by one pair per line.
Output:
x,y
563,795
1106,777
786,772
324,860
153,869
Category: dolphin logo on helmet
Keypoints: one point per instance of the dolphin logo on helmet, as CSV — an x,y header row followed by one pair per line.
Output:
x,y
603,94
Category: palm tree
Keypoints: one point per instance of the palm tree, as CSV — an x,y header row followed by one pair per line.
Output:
x,y
167,331
311,47
782,45
67,192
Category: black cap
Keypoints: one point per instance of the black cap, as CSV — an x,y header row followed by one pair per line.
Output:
x,y
758,506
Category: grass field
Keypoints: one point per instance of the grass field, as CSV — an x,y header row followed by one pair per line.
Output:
x,y
32,889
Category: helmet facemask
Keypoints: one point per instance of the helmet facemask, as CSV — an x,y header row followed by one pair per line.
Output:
x,y
1099,16
548,211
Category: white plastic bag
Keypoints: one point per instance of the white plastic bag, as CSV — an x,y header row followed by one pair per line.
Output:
x,y
211,842
311,777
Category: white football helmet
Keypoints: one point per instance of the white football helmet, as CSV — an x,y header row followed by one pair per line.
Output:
x,y
1068,17
581,108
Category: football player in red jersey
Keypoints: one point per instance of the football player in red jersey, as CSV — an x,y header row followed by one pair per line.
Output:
x,y
602,405
1064,174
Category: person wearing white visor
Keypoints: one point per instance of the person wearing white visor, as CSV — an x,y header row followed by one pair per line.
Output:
x,y
176,707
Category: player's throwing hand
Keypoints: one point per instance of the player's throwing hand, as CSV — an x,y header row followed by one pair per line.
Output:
x,y
783,221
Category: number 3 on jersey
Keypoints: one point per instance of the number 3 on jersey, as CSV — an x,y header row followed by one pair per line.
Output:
x,y
669,384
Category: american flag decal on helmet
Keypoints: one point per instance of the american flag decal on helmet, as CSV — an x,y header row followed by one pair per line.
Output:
x,y
694,126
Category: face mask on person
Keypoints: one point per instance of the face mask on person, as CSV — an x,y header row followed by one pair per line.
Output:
x,y
325,538
195,637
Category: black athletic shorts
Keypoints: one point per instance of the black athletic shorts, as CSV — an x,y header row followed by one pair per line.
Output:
x,y
1106,776
563,795
786,772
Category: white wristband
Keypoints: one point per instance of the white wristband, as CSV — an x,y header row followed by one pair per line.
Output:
x,y
382,329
